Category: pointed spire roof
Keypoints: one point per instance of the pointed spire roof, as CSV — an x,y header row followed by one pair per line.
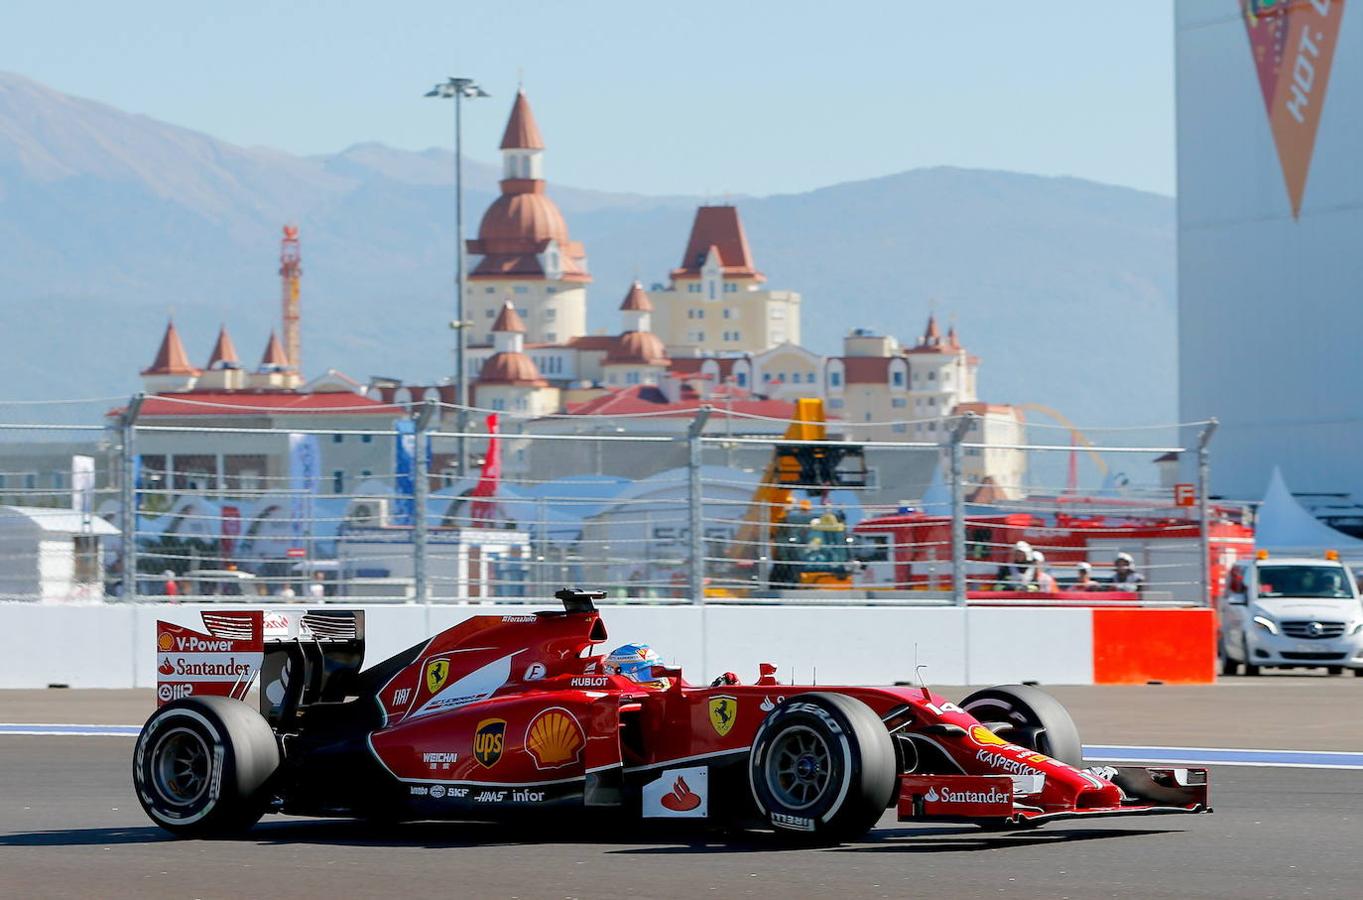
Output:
x,y
521,131
636,300
508,320
952,340
931,334
171,358
274,357
718,228
224,352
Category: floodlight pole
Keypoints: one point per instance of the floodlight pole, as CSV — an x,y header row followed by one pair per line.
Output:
x,y
128,494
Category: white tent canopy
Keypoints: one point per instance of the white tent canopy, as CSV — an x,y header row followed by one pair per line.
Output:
x,y
1284,526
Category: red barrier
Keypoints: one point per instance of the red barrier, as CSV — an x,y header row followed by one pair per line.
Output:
x,y
1133,646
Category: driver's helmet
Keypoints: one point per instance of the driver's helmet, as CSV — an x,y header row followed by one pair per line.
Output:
x,y
635,662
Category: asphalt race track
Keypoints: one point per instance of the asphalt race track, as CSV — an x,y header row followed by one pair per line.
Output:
x,y
70,827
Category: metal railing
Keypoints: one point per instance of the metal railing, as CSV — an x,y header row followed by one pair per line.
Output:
x,y
654,510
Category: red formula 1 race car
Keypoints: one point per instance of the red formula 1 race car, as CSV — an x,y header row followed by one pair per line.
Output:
x,y
511,713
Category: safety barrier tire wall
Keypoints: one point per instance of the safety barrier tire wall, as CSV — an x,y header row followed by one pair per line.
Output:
x,y
113,646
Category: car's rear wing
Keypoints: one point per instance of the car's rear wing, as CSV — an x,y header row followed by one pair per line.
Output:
x,y
216,652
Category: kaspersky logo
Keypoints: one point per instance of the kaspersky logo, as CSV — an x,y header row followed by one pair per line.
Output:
x,y
1293,43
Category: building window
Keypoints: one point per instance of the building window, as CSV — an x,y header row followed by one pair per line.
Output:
x,y
499,404
631,378
835,379
551,337
899,402
730,287
693,289
898,379
366,473
695,313
551,314
520,311
900,428
338,481
489,290
521,289
337,438
366,439
742,379
728,312
492,313
835,403
550,289
711,285
932,376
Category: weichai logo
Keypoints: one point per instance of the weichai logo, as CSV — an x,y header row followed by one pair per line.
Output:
x,y
488,741
1293,44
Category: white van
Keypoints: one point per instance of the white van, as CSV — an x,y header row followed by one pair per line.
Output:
x,y
1290,612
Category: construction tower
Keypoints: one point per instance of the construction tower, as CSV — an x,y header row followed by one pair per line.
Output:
x,y
290,273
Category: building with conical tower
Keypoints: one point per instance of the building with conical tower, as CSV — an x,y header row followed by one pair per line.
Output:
x,y
508,379
524,254
717,302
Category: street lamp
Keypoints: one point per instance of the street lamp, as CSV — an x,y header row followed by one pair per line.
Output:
x,y
459,89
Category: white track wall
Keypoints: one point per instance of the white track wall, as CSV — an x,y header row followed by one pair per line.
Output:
x,y
112,646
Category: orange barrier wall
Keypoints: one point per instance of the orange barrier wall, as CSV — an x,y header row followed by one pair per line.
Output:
x,y
1133,646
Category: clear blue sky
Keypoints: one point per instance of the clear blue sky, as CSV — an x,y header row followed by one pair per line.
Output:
x,y
742,96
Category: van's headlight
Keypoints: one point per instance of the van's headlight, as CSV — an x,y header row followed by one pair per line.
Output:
x,y
1356,629
1266,624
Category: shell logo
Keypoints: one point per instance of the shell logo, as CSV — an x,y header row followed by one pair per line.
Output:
x,y
981,735
554,739
165,642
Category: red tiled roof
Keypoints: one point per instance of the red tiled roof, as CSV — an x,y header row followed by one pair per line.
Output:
x,y
171,358
691,365
591,342
718,227
508,320
224,351
251,403
648,398
521,131
980,408
511,368
636,300
274,357
638,348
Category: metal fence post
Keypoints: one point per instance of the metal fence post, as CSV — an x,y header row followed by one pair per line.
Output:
x,y
959,428
127,484
1204,486
695,457
421,418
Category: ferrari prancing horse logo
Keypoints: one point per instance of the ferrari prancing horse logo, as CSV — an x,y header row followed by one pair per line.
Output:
x,y
437,671
723,713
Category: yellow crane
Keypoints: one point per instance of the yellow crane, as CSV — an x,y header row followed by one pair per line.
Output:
x,y
1076,436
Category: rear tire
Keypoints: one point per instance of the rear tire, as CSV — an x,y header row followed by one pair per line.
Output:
x,y
822,768
1250,668
200,766
1028,717
1334,670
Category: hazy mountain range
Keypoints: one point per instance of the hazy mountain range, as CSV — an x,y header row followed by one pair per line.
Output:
x,y
109,220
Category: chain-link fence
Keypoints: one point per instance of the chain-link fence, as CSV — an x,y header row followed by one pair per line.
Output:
x,y
426,503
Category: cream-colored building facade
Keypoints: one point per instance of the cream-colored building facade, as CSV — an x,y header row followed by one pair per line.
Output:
x,y
716,301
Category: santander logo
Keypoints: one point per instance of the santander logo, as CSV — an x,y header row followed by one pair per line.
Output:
x,y
681,798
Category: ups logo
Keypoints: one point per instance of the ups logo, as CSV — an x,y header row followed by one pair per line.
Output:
x,y
488,741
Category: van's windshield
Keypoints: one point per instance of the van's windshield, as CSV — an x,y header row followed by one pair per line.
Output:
x,y
1330,582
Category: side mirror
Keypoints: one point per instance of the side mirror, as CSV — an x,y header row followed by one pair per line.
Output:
x,y
1238,600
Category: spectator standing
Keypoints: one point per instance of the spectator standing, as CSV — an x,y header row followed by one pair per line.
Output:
x,y
1083,578
171,589
1125,577
317,589
1018,574
1045,581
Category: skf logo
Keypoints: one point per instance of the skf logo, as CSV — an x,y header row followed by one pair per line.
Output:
x,y
488,741
437,673
165,642
723,714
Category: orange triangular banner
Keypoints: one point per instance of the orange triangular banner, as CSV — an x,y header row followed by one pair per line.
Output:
x,y
1293,43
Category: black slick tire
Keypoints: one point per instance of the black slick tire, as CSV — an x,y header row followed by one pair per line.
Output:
x,y
1028,717
822,768
201,764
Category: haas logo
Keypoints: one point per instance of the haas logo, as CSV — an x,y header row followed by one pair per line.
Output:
x,y
681,798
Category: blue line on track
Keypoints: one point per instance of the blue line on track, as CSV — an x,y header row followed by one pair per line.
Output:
x,y
1186,756
70,730
1220,756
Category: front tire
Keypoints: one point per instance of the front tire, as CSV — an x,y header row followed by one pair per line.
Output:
x,y
200,766
822,768
1028,717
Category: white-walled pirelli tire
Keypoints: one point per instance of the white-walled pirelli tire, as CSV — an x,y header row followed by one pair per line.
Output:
x,y
1029,717
822,768
200,765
